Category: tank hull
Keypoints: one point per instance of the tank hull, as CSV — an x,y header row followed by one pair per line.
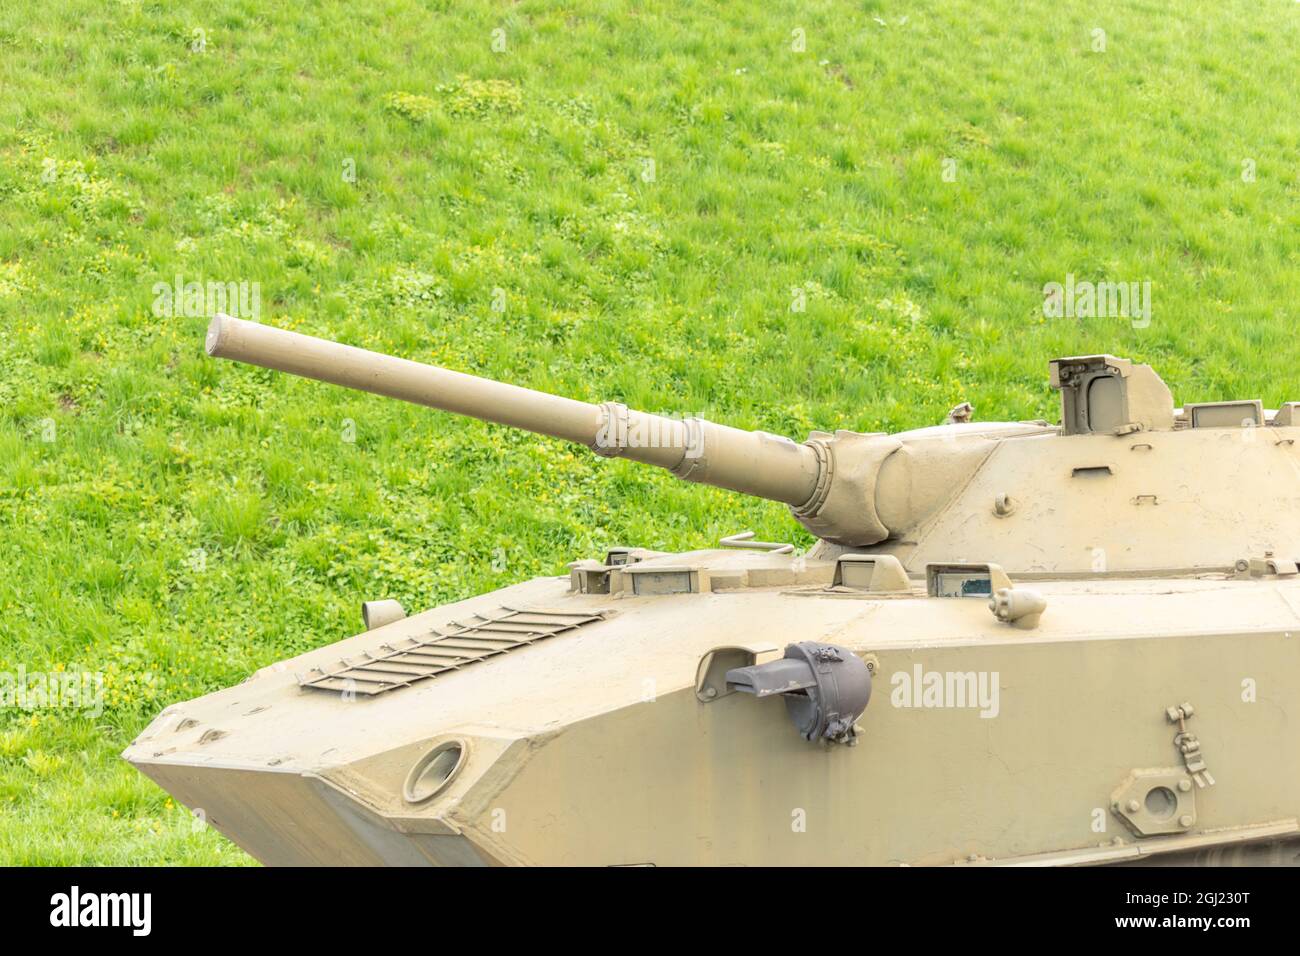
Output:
x,y
983,744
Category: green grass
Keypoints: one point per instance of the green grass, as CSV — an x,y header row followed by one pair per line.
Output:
x,y
192,520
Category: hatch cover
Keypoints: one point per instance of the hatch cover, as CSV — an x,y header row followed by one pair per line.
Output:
x,y
451,647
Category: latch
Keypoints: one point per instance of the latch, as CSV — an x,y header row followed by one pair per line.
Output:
x,y
1268,565
1188,745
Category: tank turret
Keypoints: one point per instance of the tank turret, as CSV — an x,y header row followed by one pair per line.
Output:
x,y
1121,480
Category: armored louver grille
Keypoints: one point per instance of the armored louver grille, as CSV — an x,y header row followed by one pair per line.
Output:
x,y
456,645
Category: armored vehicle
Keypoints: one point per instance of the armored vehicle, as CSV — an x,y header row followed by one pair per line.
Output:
x,y
1013,643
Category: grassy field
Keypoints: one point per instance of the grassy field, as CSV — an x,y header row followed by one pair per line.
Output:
x,y
781,216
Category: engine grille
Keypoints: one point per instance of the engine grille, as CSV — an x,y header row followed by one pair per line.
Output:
x,y
452,647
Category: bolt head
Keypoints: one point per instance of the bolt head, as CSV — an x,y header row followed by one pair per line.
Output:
x,y
1134,806
1185,820
1184,785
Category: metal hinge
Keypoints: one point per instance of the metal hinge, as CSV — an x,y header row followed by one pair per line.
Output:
x,y
1188,745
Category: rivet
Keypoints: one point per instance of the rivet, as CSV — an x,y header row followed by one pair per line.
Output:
x,y
1134,806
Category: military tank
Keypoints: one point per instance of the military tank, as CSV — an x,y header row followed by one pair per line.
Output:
x,y
1014,643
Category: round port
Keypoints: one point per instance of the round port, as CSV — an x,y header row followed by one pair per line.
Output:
x,y
1161,802
435,770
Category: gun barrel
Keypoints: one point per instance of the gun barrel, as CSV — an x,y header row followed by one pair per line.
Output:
x,y
753,463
